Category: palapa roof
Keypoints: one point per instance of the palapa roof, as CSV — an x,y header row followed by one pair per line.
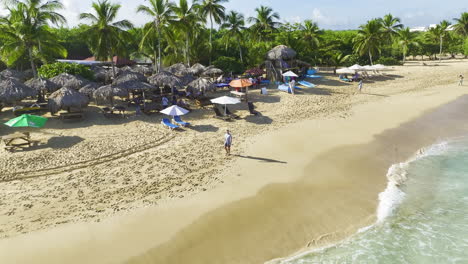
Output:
x,y
165,78
89,89
201,84
281,52
11,90
143,69
213,71
99,73
135,85
66,98
40,84
129,75
179,69
197,68
108,91
69,80
186,79
10,73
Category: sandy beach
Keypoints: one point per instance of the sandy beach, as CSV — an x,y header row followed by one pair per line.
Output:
x,y
305,173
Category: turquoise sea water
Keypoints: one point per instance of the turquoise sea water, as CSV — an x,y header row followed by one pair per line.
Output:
x,y
422,216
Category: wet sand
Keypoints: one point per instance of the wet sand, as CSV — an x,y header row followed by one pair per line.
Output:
x,y
307,184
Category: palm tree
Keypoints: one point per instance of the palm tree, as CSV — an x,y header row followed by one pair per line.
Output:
x,y
441,31
25,31
264,23
406,38
369,38
106,37
234,26
186,18
311,33
162,13
461,27
338,59
215,11
391,25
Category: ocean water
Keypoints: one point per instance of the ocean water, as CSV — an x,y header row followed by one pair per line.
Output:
x,y
422,215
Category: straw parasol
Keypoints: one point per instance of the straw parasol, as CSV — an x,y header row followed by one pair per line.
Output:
x,y
201,85
107,93
67,98
89,89
69,80
197,68
187,79
135,85
281,52
165,78
356,67
100,74
40,84
12,91
10,73
143,70
128,75
212,71
179,69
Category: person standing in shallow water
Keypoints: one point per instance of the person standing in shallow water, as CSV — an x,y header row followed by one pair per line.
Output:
x,y
227,142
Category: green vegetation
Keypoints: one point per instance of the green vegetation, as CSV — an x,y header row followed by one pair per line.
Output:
x,y
184,32
54,69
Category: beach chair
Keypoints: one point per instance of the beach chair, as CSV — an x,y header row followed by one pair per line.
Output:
x,y
179,121
252,109
168,124
229,113
219,115
306,84
344,79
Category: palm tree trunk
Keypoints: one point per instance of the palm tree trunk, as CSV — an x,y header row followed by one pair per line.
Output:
x,y
211,32
404,55
370,57
440,53
159,50
33,65
240,51
187,47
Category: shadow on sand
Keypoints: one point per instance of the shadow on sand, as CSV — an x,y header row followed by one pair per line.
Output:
x,y
261,159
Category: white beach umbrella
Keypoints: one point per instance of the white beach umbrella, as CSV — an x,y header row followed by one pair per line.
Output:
x,y
174,111
345,71
380,67
290,74
225,100
368,68
356,67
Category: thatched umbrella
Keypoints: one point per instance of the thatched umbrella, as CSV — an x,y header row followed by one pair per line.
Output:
x,y
89,89
67,98
164,78
69,80
187,79
10,73
135,85
197,68
100,74
179,69
201,84
42,85
107,93
281,52
143,70
127,75
212,71
12,91
110,73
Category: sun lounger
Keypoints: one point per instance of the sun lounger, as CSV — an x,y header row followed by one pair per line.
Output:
x,y
311,72
312,76
345,79
168,124
179,121
306,84
219,115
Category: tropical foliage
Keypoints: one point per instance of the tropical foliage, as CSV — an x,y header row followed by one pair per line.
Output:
x,y
54,69
204,31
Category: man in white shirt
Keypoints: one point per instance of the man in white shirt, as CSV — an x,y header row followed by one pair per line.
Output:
x,y
227,142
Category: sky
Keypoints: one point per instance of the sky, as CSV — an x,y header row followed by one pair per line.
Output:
x,y
329,14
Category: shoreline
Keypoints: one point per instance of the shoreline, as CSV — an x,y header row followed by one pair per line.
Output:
x,y
181,229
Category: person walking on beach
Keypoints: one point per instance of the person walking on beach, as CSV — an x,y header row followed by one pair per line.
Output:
x,y
227,142
460,82
360,85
